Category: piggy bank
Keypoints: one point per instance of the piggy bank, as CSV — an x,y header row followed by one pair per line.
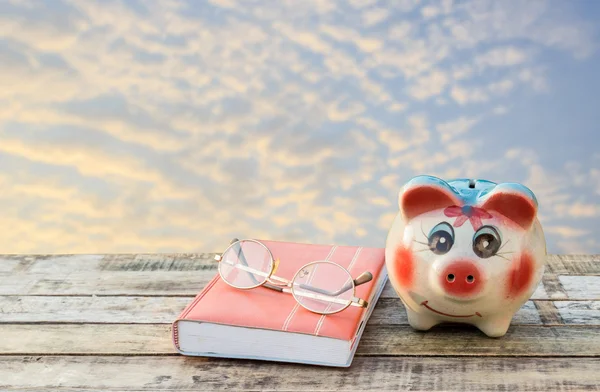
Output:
x,y
467,251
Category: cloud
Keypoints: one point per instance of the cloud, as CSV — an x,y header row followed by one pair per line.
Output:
x,y
374,16
397,107
87,160
390,182
400,31
502,57
386,220
462,72
430,12
542,23
576,247
429,85
224,3
565,231
465,95
414,58
345,34
397,140
502,87
451,129
57,31
535,78
359,4
500,110
351,110
306,39
578,210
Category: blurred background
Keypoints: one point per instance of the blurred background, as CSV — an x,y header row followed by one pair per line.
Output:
x,y
173,126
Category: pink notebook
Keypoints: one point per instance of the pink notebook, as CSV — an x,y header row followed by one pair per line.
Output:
x,y
263,324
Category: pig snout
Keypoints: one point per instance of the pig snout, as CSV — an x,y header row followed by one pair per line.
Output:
x,y
461,279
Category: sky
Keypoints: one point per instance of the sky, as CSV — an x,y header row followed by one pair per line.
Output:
x,y
174,126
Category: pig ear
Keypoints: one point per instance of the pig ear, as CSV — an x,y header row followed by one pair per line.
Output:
x,y
426,193
515,201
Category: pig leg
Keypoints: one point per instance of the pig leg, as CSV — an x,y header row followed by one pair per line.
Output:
x,y
421,321
495,326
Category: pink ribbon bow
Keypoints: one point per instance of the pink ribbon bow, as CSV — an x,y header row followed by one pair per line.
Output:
x,y
473,214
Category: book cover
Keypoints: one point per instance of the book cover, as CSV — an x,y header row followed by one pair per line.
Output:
x,y
264,309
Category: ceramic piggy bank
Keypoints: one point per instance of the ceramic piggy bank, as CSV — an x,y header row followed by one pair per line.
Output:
x,y
468,251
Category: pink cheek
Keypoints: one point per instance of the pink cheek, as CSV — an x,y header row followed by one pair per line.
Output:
x,y
404,267
520,275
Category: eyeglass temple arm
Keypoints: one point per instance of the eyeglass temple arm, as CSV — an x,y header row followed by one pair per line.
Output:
x,y
361,279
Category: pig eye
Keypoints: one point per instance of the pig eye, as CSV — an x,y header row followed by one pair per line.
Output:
x,y
486,242
441,238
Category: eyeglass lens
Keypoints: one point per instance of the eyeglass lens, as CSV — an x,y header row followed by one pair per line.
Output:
x,y
246,264
323,287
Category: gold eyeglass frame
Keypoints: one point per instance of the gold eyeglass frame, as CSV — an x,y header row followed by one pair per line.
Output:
x,y
277,283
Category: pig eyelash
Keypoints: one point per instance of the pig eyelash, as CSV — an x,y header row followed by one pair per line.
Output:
x,y
423,231
499,255
421,250
421,242
504,244
505,253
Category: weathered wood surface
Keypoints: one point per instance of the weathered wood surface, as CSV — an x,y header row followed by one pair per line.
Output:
x,y
366,374
443,340
93,322
185,275
188,283
144,310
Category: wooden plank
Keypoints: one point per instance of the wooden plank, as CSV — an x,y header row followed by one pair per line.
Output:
x,y
540,292
548,313
7,265
140,283
366,373
553,287
579,312
167,274
172,283
91,309
443,340
125,262
573,264
44,339
581,287
144,310
463,340
556,264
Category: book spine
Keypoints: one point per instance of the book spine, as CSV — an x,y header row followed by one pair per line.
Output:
x,y
175,334
187,309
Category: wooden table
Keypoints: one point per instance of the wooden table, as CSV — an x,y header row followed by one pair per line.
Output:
x,y
101,322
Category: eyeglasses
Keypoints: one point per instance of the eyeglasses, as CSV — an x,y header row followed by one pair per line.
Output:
x,y
321,286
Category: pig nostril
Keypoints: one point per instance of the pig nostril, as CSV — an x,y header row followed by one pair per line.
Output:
x,y
450,278
470,279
